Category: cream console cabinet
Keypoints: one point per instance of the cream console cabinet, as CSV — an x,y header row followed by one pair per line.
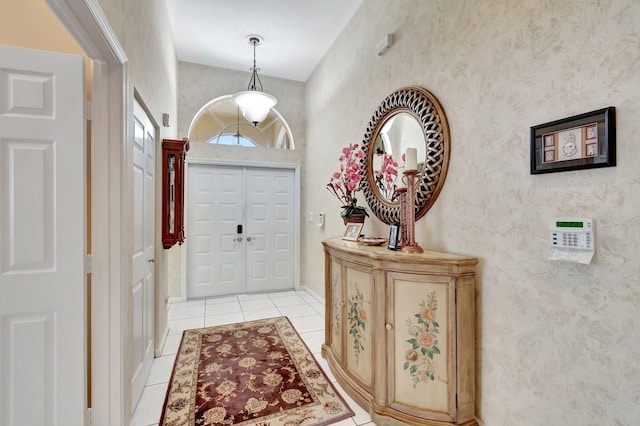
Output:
x,y
400,333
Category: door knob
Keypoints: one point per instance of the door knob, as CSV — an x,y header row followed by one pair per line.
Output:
x,y
151,260
239,239
249,238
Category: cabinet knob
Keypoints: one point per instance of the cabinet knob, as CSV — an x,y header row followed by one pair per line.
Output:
x,y
388,326
239,239
249,238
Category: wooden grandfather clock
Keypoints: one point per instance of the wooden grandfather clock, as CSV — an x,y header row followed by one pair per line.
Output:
x,y
173,156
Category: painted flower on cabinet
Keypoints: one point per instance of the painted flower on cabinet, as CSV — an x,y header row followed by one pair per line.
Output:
x,y
357,317
423,329
335,303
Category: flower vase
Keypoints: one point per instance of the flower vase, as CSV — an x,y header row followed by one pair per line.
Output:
x,y
354,218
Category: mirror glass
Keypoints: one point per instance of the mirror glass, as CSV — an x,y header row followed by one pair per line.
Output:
x,y
399,132
409,117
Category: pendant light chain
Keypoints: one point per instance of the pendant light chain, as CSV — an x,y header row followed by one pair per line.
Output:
x,y
238,127
255,83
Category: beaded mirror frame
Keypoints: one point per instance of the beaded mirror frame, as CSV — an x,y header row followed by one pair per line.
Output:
x,y
427,111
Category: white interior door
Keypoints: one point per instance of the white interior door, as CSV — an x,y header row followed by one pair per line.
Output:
x,y
223,259
270,228
215,248
42,239
143,248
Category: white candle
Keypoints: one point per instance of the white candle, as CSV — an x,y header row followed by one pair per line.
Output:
x,y
411,157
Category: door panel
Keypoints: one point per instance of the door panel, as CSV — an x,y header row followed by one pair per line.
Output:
x,y
337,310
42,239
215,209
143,249
270,225
424,314
361,323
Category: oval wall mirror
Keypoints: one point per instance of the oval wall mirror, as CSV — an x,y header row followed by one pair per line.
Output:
x,y
410,117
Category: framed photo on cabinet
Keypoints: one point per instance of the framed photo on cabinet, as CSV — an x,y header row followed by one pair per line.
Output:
x,y
352,231
394,236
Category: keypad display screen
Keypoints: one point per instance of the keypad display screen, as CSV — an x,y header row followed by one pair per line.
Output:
x,y
570,224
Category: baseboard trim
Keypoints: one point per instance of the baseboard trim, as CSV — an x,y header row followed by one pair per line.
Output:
x,y
312,294
158,350
176,299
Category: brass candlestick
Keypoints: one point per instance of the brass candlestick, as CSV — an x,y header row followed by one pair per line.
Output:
x,y
409,216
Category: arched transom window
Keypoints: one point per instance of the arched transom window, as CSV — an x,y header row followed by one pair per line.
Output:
x,y
220,122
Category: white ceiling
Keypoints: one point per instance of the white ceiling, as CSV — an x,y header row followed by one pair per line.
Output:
x,y
297,33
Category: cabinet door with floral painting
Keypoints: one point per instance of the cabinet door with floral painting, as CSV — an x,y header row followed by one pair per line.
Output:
x,y
422,369
359,324
337,311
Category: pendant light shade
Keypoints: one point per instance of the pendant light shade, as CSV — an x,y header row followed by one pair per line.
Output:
x,y
255,105
253,102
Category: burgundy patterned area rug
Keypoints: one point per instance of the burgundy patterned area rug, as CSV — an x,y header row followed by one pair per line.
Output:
x,y
257,373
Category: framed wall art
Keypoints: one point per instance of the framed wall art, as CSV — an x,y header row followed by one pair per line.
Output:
x,y
580,142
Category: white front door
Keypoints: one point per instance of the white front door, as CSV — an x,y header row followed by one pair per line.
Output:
x,y
43,379
270,229
215,249
240,230
143,248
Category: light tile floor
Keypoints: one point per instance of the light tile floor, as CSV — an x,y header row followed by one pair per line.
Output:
x,y
303,310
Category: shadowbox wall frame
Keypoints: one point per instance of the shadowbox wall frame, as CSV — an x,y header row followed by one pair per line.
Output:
x,y
580,142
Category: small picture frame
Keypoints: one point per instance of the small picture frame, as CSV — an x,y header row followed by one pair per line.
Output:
x,y
394,234
352,231
583,141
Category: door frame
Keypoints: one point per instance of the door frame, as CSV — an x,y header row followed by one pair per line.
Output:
x,y
112,102
240,163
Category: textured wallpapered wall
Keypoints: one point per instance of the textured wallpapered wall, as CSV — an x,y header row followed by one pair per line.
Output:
x,y
557,342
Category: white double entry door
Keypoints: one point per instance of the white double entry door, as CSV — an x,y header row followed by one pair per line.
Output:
x,y
241,230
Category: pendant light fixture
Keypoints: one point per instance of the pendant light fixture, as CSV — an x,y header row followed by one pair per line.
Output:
x,y
253,102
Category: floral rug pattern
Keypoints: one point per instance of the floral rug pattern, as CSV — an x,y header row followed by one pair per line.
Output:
x,y
257,373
